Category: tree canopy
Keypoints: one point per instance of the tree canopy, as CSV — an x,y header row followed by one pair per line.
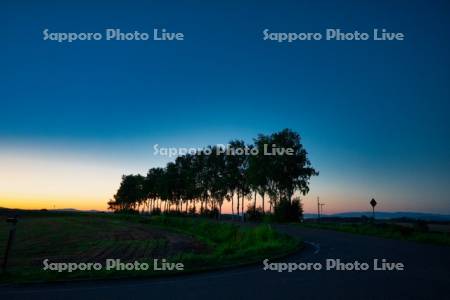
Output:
x,y
213,175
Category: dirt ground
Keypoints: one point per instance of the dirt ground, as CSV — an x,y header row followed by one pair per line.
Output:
x,y
91,239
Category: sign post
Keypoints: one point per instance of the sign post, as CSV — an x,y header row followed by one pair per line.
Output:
x,y
12,233
373,203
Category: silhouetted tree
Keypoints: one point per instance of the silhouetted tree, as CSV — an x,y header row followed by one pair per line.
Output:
x,y
130,193
210,177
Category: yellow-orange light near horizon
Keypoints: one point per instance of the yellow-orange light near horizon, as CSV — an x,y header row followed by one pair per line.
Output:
x,y
36,181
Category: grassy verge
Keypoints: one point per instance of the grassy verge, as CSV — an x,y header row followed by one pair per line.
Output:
x,y
385,230
230,244
199,244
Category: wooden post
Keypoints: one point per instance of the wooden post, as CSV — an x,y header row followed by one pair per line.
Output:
x,y
12,233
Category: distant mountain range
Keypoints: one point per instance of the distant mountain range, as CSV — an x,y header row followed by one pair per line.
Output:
x,y
55,210
73,210
387,215
356,214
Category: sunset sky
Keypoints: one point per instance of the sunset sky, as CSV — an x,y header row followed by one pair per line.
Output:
x,y
372,115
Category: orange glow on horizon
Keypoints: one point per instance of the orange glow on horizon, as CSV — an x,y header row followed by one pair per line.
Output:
x,y
55,203
100,204
56,180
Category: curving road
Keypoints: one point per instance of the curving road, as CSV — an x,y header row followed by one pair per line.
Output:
x,y
426,276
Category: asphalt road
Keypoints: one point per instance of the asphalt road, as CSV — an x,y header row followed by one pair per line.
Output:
x,y
426,276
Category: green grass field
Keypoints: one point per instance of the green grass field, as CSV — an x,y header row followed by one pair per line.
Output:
x,y
199,244
386,230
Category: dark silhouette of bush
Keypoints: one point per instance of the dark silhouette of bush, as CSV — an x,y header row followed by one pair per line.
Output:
x,y
192,210
254,214
127,211
210,213
156,211
287,211
174,213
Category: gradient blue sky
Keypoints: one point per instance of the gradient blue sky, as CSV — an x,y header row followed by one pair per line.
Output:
x,y
373,115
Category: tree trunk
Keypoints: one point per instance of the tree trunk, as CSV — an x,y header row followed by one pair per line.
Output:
x,y
242,207
238,204
232,206
262,196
